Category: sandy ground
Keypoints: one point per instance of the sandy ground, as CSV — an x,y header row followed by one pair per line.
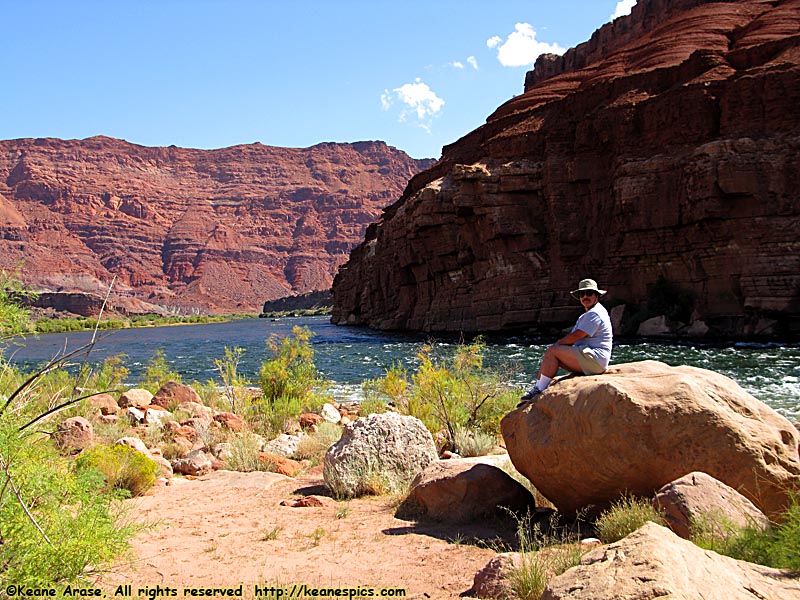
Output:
x,y
228,529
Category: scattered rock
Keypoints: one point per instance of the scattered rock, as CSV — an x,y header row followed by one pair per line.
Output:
x,y
103,403
135,415
134,443
310,502
74,433
330,413
222,451
173,393
281,464
378,453
460,490
283,445
653,562
195,410
588,440
231,421
135,397
195,463
492,580
154,416
698,497
310,420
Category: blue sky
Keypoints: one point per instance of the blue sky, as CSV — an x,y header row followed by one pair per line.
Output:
x,y
215,73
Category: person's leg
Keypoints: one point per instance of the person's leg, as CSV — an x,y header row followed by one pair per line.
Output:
x,y
559,356
555,357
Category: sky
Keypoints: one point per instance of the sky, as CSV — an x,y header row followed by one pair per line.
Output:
x,y
293,73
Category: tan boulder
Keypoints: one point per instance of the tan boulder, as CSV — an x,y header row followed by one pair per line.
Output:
x,y
463,489
135,397
173,393
639,426
699,499
103,404
653,562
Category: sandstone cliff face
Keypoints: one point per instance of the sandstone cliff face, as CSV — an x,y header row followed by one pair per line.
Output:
x,y
211,230
665,149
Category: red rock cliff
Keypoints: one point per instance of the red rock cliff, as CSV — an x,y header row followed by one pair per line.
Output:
x,y
213,230
665,149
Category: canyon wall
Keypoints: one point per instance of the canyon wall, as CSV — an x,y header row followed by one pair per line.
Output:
x,y
189,230
661,158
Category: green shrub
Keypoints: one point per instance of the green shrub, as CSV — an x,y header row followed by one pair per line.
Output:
x,y
474,442
244,454
157,372
448,395
57,525
542,557
777,547
625,516
314,446
232,380
123,467
289,380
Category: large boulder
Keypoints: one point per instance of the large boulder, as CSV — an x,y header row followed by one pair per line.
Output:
x,y
462,489
380,453
639,426
697,499
653,562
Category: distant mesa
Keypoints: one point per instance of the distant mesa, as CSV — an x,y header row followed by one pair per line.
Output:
x,y
183,230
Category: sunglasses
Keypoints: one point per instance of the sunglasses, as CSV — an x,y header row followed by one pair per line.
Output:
x,y
582,294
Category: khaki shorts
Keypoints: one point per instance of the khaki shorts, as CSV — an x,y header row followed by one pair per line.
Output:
x,y
587,362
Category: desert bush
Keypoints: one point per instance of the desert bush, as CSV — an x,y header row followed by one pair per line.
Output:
x,y
233,381
14,317
474,442
450,394
625,516
313,446
244,454
123,467
289,381
57,524
157,372
542,557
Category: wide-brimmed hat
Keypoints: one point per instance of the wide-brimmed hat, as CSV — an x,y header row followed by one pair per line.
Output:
x,y
587,285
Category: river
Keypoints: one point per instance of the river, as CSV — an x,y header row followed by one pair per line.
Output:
x,y
346,356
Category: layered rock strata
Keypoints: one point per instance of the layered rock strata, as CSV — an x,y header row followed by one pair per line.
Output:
x,y
208,230
665,149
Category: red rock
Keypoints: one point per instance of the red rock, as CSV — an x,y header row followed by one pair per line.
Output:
x,y
174,393
223,229
310,502
281,464
231,421
665,146
310,420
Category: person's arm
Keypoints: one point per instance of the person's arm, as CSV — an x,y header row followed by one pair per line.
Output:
x,y
571,338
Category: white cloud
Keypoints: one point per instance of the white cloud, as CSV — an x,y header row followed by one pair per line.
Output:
x,y
623,8
521,47
457,64
418,101
471,60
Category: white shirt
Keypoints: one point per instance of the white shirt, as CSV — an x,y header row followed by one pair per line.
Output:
x,y
596,324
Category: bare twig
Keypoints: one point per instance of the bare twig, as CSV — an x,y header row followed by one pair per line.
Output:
x,y
24,506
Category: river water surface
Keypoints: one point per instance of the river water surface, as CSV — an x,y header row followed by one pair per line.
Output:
x,y
347,356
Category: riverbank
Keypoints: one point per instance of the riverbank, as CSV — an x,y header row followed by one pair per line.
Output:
x,y
63,324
